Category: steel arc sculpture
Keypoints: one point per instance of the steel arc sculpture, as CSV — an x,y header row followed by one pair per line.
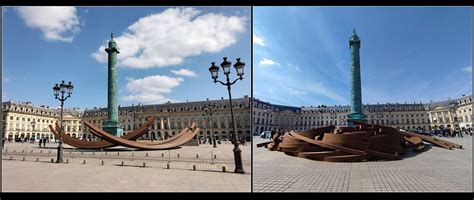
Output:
x,y
128,140
364,142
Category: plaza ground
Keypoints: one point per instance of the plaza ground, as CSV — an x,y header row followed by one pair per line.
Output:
x,y
43,176
435,170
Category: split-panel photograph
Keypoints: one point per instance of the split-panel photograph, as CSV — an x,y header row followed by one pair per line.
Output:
x,y
247,99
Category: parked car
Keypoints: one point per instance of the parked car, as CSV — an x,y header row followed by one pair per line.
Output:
x,y
266,134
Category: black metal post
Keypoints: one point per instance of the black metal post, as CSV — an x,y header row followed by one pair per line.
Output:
x,y
59,158
237,151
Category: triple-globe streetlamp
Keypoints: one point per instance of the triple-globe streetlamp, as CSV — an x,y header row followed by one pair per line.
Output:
x,y
62,89
209,110
239,67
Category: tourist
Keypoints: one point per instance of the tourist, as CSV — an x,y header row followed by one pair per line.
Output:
x,y
272,133
40,141
3,141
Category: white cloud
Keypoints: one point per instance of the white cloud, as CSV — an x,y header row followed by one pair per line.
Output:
x,y
56,23
467,69
168,38
151,89
295,67
258,40
184,72
296,92
268,62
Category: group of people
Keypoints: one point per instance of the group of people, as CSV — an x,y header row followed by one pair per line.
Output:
x,y
43,141
452,133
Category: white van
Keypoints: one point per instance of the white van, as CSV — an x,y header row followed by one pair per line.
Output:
x,y
266,134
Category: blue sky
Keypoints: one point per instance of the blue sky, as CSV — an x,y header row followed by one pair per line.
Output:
x,y
302,55
165,53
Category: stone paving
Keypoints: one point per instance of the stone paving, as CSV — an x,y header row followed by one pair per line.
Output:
x,y
435,170
42,175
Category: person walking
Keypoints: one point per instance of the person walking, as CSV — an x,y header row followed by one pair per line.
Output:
x,y
40,141
3,142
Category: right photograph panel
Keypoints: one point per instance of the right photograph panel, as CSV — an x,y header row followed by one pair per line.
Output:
x,y
362,99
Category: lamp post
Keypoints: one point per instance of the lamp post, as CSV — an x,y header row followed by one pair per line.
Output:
x,y
209,111
33,123
62,88
239,67
134,112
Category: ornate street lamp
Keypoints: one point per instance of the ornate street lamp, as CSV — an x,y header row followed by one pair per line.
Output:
x,y
239,67
62,89
208,112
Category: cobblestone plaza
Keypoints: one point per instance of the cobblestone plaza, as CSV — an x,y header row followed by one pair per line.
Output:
x,y
435,170
112,176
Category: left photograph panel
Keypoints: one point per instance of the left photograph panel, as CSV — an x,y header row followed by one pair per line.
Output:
x,y
125,99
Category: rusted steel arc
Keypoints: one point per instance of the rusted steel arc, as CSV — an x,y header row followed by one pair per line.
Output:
x,y
185,130
101,144
383,155
263,144
437,139
132,144
432,140
330,146
413,140
81,143
321,154
345,158
144,129
97,130
385,129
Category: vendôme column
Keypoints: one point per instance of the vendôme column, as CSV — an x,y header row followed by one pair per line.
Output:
x,y
112,124
356,91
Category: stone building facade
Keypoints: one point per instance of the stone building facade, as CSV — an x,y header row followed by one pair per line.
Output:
x,y
18,118
454,114
23,120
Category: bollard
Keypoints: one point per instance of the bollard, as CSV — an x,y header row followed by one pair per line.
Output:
x,y
223,168
122,163
167,166
143,164
52,160
194,167
23,158
84,162
37,159
102,162
146,154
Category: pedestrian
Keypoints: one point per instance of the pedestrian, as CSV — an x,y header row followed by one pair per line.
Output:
x,y
3,141
272,133
44,142
40,141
